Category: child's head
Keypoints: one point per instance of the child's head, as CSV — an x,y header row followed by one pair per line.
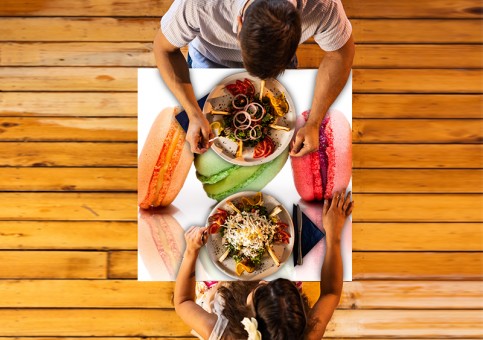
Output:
x,y
280,310
279,307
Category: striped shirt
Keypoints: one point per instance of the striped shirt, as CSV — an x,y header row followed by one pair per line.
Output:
x,y
210,27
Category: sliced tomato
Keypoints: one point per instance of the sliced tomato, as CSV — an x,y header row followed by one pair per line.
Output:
x,y
250,87
264,148
213,228
233,89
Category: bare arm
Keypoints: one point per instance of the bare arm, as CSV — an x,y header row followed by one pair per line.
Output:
x,y
334,215
184,291
174,70
331,78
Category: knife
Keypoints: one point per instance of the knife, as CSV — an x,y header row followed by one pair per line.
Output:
x,y
300,259
182,117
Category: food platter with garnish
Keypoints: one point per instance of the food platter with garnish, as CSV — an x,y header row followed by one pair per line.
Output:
x,y
253,120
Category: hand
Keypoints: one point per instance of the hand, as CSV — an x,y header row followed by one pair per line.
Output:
x,y
335,212
199,133
195,237
306,141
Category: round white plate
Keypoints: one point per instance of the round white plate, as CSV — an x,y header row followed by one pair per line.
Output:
x,y
267,267
219,99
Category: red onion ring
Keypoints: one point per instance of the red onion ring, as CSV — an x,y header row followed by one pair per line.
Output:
x,y
236,97
236,135
240,122
254,129
254,111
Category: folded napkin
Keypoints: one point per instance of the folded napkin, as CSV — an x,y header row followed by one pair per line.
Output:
x,y
182,117
311,235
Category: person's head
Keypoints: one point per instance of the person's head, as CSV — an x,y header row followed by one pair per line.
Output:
x,y
280,310
269,35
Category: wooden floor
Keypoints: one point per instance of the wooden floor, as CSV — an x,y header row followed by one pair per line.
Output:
x,y
68,231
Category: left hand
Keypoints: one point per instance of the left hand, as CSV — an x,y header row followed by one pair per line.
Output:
x,y
196,237
306,141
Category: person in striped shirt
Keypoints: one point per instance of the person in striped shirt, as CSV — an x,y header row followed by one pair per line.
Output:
x,y
261,36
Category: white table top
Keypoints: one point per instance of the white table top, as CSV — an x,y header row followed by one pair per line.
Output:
x,y
192,206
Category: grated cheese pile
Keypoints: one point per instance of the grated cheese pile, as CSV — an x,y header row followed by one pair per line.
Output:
x,y
248,233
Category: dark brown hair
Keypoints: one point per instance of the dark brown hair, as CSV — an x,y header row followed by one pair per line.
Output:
x,y
280,309
269,37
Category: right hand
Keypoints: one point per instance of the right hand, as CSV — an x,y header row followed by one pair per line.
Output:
x,y
335,212
199,133
195,237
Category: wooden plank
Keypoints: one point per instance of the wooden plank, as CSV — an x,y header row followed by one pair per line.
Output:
x,y
310,55
416,31
122,207
142,322
416,106
417,236
418,208
125,105
68,79
68,206
417,181
125,79
416,266
61,235
40,154
417,81
398,56
416,156
92,104
366,265
68,179
411,31
68,129
354,8
417,131
133,294
413,9
123,265
52,265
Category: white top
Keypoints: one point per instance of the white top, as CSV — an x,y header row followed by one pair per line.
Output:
x,y
210,26
212,302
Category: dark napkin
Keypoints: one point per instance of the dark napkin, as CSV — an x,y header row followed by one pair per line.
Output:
x,y
311,235
182,117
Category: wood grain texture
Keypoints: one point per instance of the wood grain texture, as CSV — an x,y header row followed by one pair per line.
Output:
x,y
68,154
133,294
310,55
367,9
401,56
58,104
417,156
416,266
122,265
417,181
417,81
418,208
431,106
71,235
417,236
143,30
125,179
68,206
68,179
52,265
452,131
365,265
69,129
125,79
148,322
16,104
